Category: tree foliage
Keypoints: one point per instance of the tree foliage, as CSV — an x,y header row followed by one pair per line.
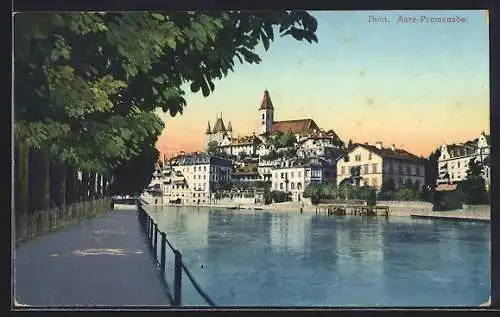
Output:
x,y
473,186
87,84
135,174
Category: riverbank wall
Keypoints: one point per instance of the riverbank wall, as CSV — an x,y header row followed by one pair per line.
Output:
x,y
396,208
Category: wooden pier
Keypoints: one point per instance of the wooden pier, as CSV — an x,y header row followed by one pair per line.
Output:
x,y
356,210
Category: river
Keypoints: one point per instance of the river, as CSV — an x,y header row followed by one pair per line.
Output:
x,y
263,258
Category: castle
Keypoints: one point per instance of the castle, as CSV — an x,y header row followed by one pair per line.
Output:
x,y
223,136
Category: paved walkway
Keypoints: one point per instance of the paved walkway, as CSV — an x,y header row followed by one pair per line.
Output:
x,y
104,261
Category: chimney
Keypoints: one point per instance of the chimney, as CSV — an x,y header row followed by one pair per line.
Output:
x,y
378,145
393,147
366,143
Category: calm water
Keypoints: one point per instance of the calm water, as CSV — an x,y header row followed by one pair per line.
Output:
x,y
259,258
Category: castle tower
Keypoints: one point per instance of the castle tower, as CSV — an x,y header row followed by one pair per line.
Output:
x,y
229,130
266,113
208,135
219,131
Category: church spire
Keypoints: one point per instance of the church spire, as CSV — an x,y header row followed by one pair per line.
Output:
x,y
229,127
266,102
208,131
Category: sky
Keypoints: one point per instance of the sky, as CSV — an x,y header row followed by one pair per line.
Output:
x,y
415,85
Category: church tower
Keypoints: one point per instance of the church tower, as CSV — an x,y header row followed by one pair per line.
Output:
x,y
266,113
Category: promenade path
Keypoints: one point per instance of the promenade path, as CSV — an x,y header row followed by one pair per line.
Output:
x,y
104,262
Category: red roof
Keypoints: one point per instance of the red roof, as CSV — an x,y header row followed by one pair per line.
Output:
x,y
389,153
300,126
266,102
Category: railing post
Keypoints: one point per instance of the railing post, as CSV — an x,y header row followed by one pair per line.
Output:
x,y
163,251
155,242
177,279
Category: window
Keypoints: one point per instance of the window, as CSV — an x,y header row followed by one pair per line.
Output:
x,y
292,174
400,169
458,164
408,170
357,158
299,174
299,186
281,186
401,182
369,156
292,186
263,116
282,175
374,168
365,169
204,168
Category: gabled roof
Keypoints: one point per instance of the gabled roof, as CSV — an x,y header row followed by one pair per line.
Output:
x,y
219,126
266,102
330,134
299,126
389,153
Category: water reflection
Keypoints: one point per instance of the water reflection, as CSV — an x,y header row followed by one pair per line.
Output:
x,y
245,257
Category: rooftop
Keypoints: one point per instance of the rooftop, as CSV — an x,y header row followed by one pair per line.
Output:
x,y
389,152
266,102
299,126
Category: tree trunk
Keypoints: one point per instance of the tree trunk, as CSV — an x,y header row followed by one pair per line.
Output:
x,y
22,186
104,185
35,191
99,185
92,183
63,169
45,161
70,185
85,186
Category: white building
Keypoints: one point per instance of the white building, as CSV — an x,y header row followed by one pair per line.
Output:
x,y
202,172
246,146
265,168
379,165
191,178
293,175
455,158
321,144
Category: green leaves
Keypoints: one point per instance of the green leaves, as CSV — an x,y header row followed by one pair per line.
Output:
x,y
87,84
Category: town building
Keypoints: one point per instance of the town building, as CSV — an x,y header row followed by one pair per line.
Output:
x,y
247,170
321,144
242,146
454,160
292,176
254,144
201,172
379,165
191,178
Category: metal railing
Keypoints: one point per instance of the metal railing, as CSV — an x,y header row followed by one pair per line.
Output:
x,y
150,229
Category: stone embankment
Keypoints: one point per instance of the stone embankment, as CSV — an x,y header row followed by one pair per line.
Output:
x,y
396,209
